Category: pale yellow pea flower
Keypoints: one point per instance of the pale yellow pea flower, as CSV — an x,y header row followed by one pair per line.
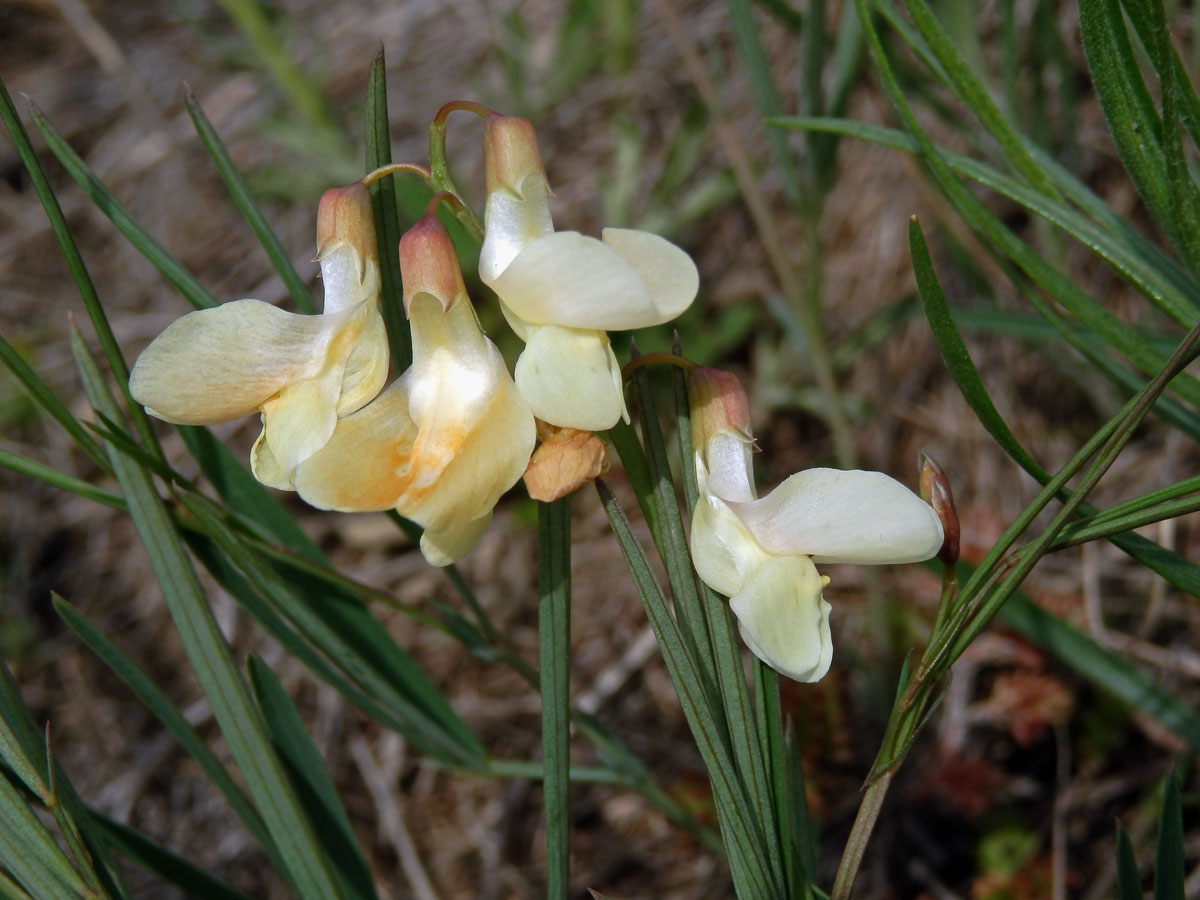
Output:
x,y
301,372
561,290
761,552
447,438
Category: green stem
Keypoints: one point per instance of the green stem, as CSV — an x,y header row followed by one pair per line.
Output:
x,y
554,633
860,835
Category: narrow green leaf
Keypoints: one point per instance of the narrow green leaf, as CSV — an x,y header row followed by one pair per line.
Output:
x,y
107,203
1103,524
554,641
312,782
1178,571
169,866
387,225
1003,242
768,719
1129,880
167,713
1168,855
1125,249
633,460
748,857
976,96
24,737
244,494
1150,22
51,476
227,575
672,547
48,400
766,97
75,264
244,201
1128,107
954,351
10,890
236,714
349,635
30,853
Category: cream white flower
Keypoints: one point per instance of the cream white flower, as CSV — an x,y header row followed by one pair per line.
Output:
x,y
760,552
561,290
302,372
446,439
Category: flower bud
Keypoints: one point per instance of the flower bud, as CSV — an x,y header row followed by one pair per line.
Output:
x,y
718,403
344,218
429,265
935,490
511,154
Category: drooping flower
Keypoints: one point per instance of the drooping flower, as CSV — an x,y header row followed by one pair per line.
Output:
x,y
561,290
301,372
761,552
447,438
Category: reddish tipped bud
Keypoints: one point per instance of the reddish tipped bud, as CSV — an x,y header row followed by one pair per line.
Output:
x,y
718,404
510,153
935,490
344,217
429,265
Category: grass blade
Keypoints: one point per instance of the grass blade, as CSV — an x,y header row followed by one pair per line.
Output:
x,y
1129,880
48,400
244,201
235,712
51,476
1147,268
1132,119
975,95
169,866
387,224
1178,571
179,277
347,633
30,853
748,857
167,713
79,272
1168,856
312,782
766,97
554,641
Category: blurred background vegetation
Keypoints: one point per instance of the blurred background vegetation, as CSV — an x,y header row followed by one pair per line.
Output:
x,y
650,116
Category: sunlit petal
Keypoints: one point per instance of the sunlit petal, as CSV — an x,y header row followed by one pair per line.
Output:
x,y
476,433
723,551
347,278
729,473
667,271
566,278
512,222
365,366
571,377
363,464
266,467
441,548
783,618
838,516
300,419
218,364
